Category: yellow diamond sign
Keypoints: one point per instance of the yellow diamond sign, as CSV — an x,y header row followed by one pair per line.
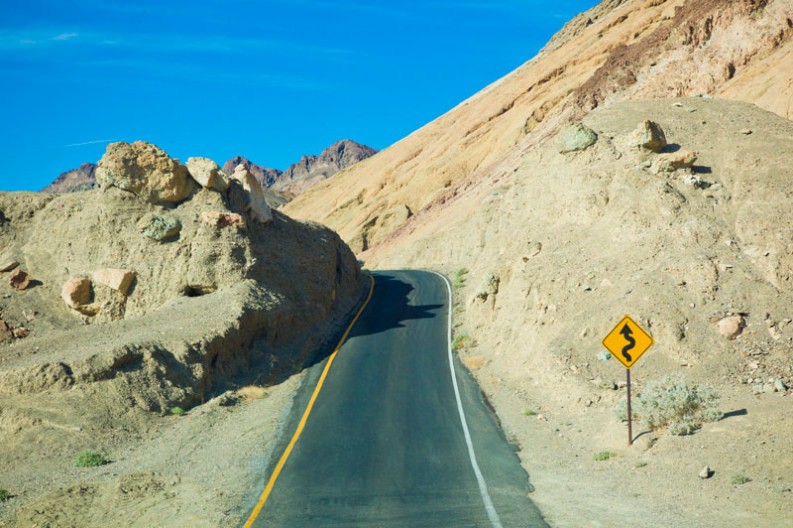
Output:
x,y
628,341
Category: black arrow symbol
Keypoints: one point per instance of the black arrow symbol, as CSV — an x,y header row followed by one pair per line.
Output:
x,y
627,333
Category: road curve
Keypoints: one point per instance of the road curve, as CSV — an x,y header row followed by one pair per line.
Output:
x,y
385,443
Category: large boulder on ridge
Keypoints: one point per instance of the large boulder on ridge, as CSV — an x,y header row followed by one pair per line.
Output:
x,y
145,170
208,174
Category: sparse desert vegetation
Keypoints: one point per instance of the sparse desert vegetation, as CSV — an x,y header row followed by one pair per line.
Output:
x,y
602,456
674,404
90,458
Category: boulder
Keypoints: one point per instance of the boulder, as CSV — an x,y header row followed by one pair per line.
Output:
x,y
19,280
208,174
221,219
648,136
146,171
706,473
256,205
576,136
159,227
117,279
732,326
672,161
76,293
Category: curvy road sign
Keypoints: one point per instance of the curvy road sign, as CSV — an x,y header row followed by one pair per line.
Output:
x,y
628,341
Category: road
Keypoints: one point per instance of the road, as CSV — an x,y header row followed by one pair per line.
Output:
x,y
392,439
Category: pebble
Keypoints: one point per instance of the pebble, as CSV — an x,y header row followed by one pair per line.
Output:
x,y
604,356
745,131
706,473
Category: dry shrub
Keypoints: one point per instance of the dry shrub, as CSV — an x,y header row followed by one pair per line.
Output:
x,y
252,392
474,362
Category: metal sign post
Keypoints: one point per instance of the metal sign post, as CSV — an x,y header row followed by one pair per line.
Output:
x,y
627,342
630,413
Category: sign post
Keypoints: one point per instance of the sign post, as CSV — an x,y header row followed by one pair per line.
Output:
x,y
627,342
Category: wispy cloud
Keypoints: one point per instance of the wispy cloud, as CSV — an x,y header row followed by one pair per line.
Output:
x,y
20,39
17,39
65,36
92,142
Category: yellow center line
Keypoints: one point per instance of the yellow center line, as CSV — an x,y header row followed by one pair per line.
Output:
x,y
279,466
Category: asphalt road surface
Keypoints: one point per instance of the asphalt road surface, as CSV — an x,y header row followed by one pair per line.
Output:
x,y
385,443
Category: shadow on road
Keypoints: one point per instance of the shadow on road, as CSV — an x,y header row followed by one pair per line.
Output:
x,y
392,307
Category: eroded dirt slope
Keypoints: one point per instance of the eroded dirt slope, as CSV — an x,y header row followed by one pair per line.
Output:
x,y
635,49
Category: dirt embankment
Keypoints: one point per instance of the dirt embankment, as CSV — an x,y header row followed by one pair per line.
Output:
x,y
554,252
150,293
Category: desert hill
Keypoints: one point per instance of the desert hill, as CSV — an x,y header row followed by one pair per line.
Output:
x,y
620,50
539,198
639,164
165,287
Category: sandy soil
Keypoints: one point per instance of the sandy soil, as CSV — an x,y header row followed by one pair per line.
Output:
x,y
201,469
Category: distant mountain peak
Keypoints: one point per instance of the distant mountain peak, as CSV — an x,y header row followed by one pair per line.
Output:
x,y
266,175
312,169
79,179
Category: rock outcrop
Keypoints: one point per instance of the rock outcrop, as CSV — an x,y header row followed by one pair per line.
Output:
x,y
116,279
146,171
159,227
648,136
254,201
575,137
76,293
161,291
208,174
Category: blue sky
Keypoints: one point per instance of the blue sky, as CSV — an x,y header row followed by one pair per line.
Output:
x,y
271,80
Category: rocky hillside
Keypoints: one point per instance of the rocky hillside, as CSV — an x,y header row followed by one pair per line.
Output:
x,y
309,171
164,287
620,50
639,164
79,179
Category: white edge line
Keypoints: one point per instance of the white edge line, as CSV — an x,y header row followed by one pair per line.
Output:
x,y
491,510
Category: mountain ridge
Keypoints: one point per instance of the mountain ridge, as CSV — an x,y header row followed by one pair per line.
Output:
x,y
298,177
